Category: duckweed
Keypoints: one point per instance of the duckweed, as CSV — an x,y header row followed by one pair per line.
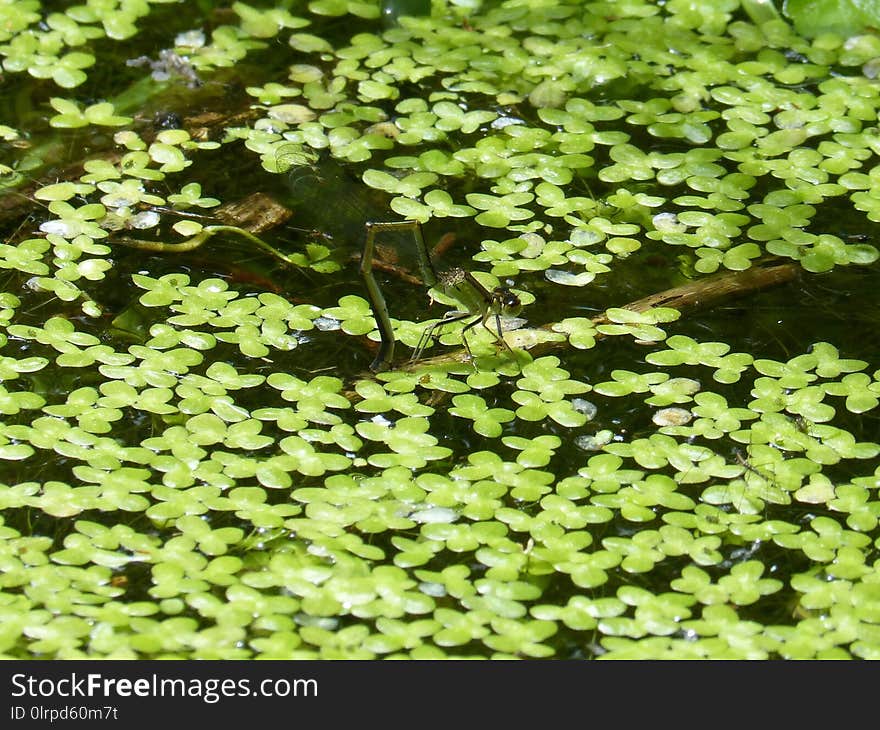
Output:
x,y
196,461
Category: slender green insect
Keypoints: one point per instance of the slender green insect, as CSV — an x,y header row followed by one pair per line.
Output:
x,y
481,305
477,302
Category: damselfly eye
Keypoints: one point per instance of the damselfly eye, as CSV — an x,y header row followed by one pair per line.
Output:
x,y
510,303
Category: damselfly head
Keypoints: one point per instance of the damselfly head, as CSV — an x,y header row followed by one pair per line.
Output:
x,y
508,302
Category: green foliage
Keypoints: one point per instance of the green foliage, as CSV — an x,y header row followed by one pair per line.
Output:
x,y
193,462
70,116
845,18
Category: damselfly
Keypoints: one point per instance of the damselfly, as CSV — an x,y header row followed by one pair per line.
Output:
x,y
477,303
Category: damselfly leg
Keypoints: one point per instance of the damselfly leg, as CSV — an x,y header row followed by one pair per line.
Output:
x,y
479,305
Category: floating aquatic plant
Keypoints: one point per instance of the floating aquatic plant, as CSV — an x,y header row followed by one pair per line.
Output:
x,y
196,462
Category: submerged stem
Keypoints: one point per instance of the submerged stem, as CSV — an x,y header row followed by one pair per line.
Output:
x,y
200,239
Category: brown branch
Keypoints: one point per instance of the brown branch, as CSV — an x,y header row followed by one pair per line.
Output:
x,y
700,294
707,292
257,213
